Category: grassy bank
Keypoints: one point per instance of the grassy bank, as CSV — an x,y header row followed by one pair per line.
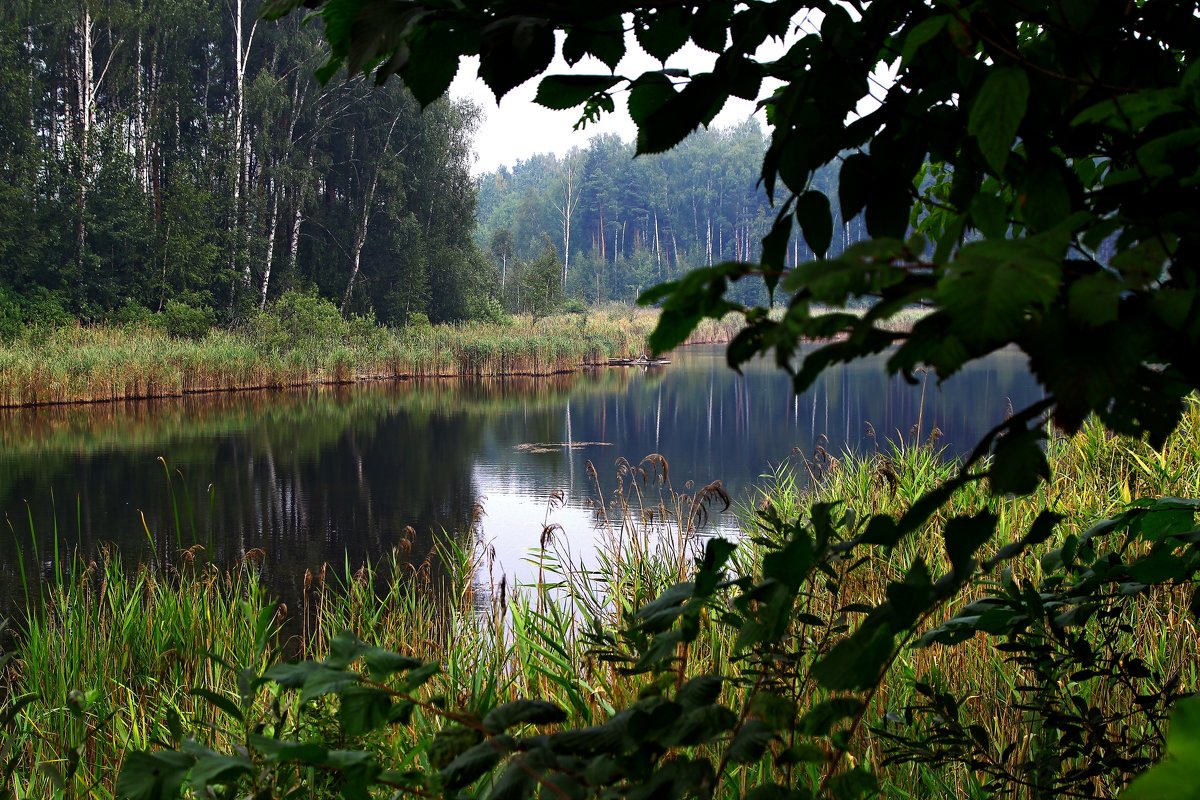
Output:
x,y
307,343
112,662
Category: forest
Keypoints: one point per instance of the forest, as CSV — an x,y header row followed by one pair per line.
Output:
x,y
622,224
184,152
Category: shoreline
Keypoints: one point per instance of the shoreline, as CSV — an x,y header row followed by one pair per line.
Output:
x,y
81,365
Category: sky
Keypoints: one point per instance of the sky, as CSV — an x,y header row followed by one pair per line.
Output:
x,y
519,128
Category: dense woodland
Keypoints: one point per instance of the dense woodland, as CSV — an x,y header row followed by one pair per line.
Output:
x,y
160,153
182,151
622,224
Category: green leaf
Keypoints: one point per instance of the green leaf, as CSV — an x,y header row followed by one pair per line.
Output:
x,y
214,768
702,725
419,676
1129,113
647,94
384,663
1047,202
750,742
856,181
777,711
362,709
992,287
964,536
1094,299
989,215
1176,777
523,712
153,776
853,784
431,65
472,764
997,112
1018,462
451,742
513,51
921,33
710,26
703,690
344,649
282,750
816,221
219,701
821,718
325,681
568,91
856,661
661,32
602,37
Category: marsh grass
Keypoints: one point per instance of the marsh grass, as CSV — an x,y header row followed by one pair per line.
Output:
x,y
117,652
105,363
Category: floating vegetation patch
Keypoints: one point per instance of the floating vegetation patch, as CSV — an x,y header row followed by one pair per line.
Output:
x,y
554,447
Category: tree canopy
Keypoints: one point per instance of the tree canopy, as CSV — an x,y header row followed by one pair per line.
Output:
x,y
1029,173
161,151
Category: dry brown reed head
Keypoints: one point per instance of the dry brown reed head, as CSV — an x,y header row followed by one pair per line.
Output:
x,y
547,536
886,474
659,467
188,555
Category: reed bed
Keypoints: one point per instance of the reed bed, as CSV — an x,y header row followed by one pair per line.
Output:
x,y
81,364
116,652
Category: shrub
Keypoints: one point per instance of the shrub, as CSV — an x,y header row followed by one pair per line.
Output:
x,y
299,319
185,321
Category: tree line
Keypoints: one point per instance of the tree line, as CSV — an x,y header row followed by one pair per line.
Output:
x,y
621,224
184,151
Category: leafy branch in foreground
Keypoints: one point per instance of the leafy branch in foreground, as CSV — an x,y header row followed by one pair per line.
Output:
x,y
791,705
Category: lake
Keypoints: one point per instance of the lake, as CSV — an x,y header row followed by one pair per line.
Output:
x,y
337,474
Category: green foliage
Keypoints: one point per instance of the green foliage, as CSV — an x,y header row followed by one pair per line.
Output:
x,y
1044,153
794,624
200,185
541,283
185,321
1077,155
299,319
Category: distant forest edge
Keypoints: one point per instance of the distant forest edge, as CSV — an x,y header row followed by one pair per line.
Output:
x,y
163,155
621,225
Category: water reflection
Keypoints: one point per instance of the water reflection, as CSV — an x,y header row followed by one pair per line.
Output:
x,y
330,474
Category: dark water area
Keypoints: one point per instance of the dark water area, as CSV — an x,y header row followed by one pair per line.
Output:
x,y
336,474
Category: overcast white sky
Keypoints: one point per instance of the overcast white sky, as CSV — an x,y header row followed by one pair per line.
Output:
x,y
519,128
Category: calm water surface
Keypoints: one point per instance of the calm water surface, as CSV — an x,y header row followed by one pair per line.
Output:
x,y
330,474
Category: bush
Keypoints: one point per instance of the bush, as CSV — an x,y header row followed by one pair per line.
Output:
x,y
10,316
184,321
43,309
299,319
133,314
486,308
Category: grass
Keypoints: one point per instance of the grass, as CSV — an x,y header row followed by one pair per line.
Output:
x,y
113,654
80,364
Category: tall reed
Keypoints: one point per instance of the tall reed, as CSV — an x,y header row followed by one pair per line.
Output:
x,y
99,363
